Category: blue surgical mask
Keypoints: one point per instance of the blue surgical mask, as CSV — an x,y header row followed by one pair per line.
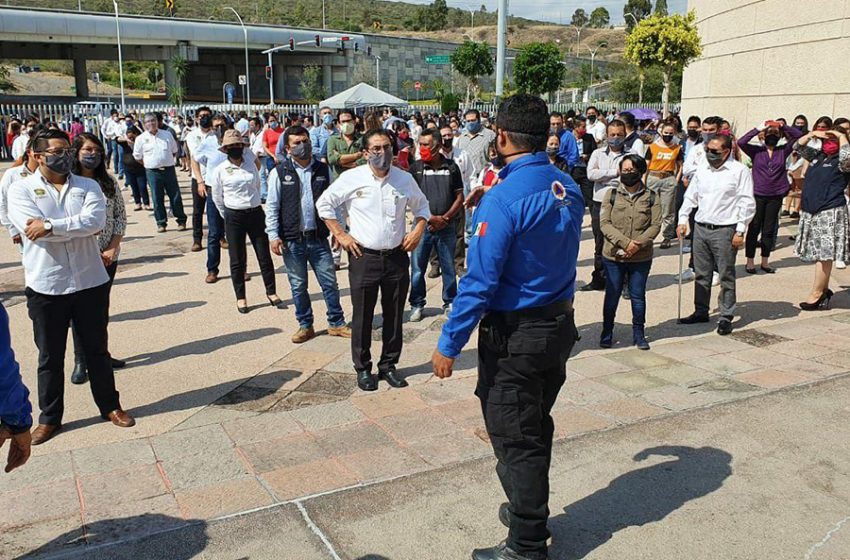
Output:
x,y
616,143
473,126
328,120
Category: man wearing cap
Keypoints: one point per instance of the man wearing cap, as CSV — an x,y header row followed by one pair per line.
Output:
x,y
520,283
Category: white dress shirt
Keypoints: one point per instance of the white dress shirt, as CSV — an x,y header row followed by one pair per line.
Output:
x,y
193,141
375,206
67,259
603,169
12,175
19,145
235,186
695,159
155,151
598,129
722,196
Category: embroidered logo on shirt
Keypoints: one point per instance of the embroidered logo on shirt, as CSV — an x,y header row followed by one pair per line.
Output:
x,y
287,178
40,192
558,190
480,229
359,194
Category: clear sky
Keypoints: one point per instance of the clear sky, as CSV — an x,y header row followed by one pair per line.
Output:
x,y
552,10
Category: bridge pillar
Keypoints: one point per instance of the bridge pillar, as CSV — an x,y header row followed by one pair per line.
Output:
x,y
280,81
170,75
327,76
81,78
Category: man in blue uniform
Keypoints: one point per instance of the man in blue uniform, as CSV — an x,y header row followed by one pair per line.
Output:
x,y
520,284
15,408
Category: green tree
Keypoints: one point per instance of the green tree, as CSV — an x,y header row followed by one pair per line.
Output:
x,y
439,14
472,60
636,10
177,90
661,8
311,84
625,83
407,87
667,42
579,18
438,86
538,68
600,18
6,84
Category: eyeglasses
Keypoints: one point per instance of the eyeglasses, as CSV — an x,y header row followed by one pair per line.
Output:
x,y
57,152
378,150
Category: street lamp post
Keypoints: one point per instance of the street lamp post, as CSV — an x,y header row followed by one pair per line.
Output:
x,y
578,29
592,58
632,16
377,71
247,67
323,15
120,59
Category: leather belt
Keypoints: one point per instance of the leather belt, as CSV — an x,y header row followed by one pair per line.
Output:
x,y
713,227
549,311
382,252
661,174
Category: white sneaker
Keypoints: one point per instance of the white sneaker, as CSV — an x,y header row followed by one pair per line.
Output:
x,y
715,279
415,315
687,275
840,265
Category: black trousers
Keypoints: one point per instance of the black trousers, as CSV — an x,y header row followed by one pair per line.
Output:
x,y
251,223
51,317
586,185
79,354
764,223
598,241
521,369
199,205
369,274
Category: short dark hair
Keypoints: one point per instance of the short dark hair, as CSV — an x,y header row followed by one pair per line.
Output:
x,y
473,112
628,119
113,112
525,119
35,130
694,118
346,112
203,109
571,114
42,138
591,107
430,133
556,114
638,162
134,130
726,139
715,121
294,131
256,121
376,132
616,123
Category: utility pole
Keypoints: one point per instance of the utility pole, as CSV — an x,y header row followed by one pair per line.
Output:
x,y
501,41
247,67
120,59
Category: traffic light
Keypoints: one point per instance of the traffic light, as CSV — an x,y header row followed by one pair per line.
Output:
x,y
291,44
318,41
268,72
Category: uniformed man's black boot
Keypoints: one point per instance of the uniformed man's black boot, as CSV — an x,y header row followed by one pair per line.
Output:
x,y
81,373
503,552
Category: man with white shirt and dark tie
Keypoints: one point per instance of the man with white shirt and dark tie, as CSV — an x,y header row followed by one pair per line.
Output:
x,y
375,197
156,149
722,191
60,215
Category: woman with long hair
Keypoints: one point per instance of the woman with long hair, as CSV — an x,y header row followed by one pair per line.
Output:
x,y
90,163
553,144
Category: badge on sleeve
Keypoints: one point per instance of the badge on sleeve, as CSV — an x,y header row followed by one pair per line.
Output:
x,y
39,192
480,229
558,190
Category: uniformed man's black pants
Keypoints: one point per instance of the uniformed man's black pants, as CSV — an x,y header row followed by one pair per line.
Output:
x,y
521,368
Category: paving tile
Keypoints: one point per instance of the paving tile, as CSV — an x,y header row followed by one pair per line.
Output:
x,y
573,420
757,338
261,427
640,359
212,414
803,349
387,403
50,501
417,424
587,391
838,359
730,388
453,447
596,366
682,350
354,438
329,383
306,360
724,364
772,379
632,382
55,536
674,397
465,413
197,441
810,367
283,452
189,471
720,344
830,340
840,317
118,487
627,410
383,463
682,374
122,521
322,416
112,456
223,498
440,391
308,478
761,357
39,471
297,400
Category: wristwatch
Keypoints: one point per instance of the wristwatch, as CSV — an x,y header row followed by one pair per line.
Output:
x,y
48,225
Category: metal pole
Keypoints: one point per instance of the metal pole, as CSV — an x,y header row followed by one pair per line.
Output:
x,y
501,40
120,58
247,68
271,80
681,252
377,71
592,56
323,15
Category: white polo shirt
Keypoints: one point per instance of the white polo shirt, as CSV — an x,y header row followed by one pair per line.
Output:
x,y
66,260
155,151
375,206
12,175
235,186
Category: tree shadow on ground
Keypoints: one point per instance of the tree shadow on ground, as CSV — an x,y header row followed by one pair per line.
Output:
x,y
150,536
169,309
638,497
148,277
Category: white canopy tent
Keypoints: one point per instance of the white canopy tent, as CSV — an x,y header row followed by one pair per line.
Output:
x,y
360,96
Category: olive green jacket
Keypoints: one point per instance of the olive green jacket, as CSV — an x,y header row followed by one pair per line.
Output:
x,y
629,218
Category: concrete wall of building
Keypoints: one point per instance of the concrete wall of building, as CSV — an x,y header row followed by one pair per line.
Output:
x,y
766,59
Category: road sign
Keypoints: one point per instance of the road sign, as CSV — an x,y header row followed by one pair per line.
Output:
x,y
243,79
438,59
417,85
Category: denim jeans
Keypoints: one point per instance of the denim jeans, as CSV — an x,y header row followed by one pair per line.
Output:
x,y
443,242
215,231
638,272
264,178
117,156
138,183
164,182
317,252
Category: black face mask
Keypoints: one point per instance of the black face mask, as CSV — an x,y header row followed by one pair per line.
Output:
x,y
630,179
205,121
668,138
771,140
235,153
693,133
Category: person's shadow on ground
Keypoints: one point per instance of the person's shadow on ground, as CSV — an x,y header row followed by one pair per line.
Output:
x,y
638,497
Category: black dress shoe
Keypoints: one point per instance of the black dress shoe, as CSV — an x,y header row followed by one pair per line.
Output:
x,y
366,381
503,552
118,364
693,319
505,514
392,377
80,375
593,286
724,327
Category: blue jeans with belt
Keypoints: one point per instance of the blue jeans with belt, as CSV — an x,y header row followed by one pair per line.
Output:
x,y
317,252
443,243
638,273
164,182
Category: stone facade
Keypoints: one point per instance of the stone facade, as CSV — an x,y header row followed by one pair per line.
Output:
x,y
770,58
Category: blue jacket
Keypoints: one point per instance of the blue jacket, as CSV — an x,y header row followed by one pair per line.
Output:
x,y
15,408
523,250
569,149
